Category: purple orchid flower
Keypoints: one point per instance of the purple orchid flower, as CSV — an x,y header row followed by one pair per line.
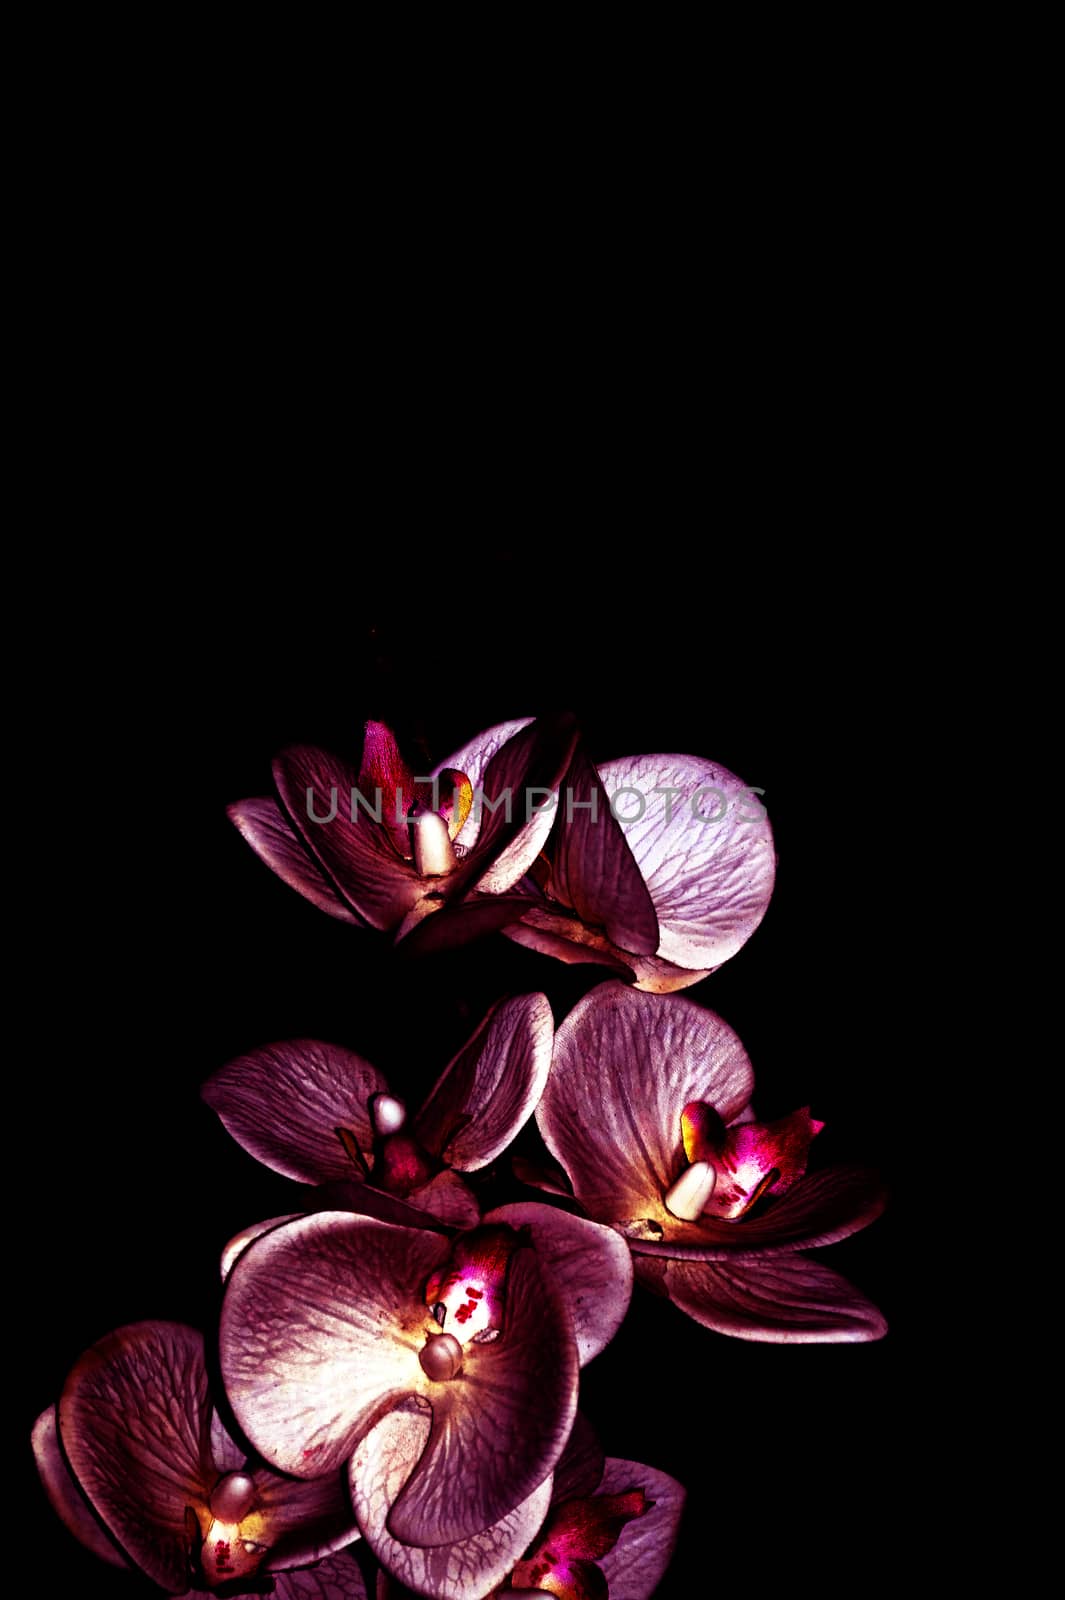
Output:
x,y
333,1322
321,1114
384,848
647,1109
601,1529
665,891
141,1470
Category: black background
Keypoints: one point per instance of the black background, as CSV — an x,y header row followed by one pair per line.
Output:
x,y
160,947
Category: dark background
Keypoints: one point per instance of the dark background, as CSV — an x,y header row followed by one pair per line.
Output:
x,y
159,947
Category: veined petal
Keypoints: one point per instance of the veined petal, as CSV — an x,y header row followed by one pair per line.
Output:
x,y
567,939
489,1090
64,1495
580,1466
265,827
780,1299
473,759
357,856
588,1264
336,1578
625,1065
500,1425
593,870
306,1518
240,1241
321,1322
447,1198
367,1201
465,1570
527,768
634,1568
703,844
134,1419
285,1102
820,1209
226,1454
445,925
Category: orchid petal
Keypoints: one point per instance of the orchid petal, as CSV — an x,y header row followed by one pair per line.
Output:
x,y
265,827
357,856
589,1265
64,1495
820,1209
226,1454
500,1425
711,881
490,1089
240,1241
625,1065
336,1578
367,1201
134,1420
306,1518
449,1199
464,1570
528,767
285,1102
593,870
321,1321
473,759
546,1175
567,939
634,1567
439,925
780,1299
580,1466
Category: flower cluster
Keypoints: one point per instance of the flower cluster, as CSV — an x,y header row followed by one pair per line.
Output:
x,y
391,1404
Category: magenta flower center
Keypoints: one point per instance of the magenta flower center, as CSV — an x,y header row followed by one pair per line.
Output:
x,y
235,1542
730,1169
467,1293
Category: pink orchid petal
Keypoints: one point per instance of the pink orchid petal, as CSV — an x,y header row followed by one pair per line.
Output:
x,y
284,1103
448,925
226,1454
822,1208
473,760
134,1421
529,766
593,869
448,1199
625,1065
566,938
387,782
464,1570
367,1201
64,1495
780,1299
306,1518
336,1578
580,1466
240,1241
321,1321
265,827
635,1566
501,1424
357,856
490,1089
545,1175
589,1265
710,881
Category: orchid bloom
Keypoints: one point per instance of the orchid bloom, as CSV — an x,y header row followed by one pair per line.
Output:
x,y
647,1109
334,1322
661,867
384,848
135,1449
321,1114
601,1529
